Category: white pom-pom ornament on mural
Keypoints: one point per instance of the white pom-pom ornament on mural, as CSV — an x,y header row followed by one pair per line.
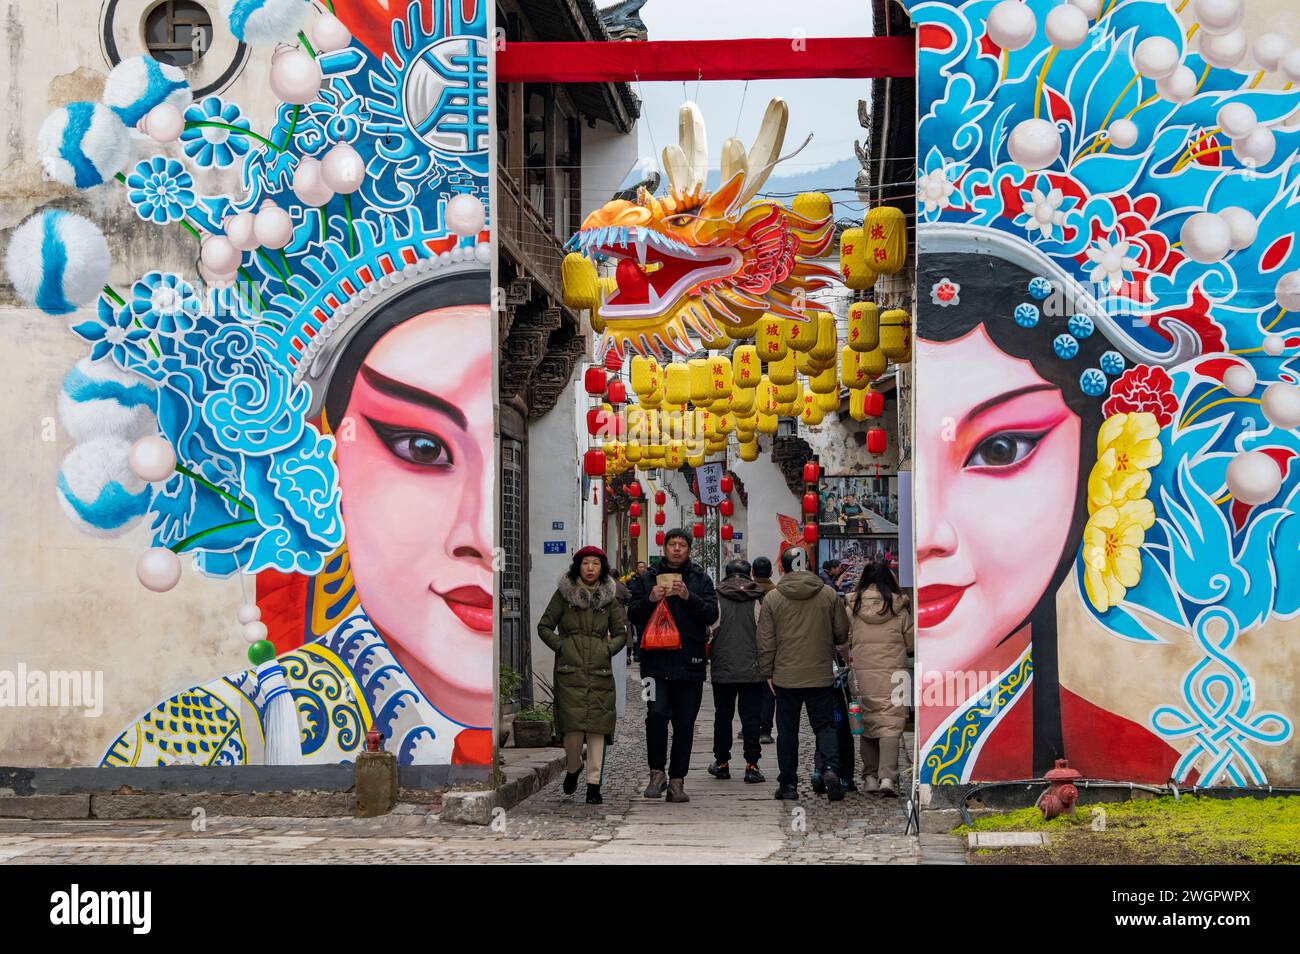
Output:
x,y
1256,149
215,279
248,613
57,261
1122,133
1237,120
98,401
240,230
163,124
1225,50
1066,26
329,34
140,84
307,183
1091,8
1253,478
1281,405
1290,64
465,215
158,569
1242,226
1274,345
1011,25
152,459
82,145
264,22
343,169
295,76
1178,87
1240,380
98,492
1219,16
273,228
1156,57
1268,50
1287,291
1034,144
219,255
1206,237
254,632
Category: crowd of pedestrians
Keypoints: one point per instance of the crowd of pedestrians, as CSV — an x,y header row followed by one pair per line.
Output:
x,y
772,651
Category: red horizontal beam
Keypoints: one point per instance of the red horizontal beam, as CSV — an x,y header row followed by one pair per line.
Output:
x,y
866,57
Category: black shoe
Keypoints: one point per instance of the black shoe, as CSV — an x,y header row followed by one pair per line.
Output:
x,y
719,771
849,784
571,781
593,795
787,793
834,790
818,786
766,739
752,774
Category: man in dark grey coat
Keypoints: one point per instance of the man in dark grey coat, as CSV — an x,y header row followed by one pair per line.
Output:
x,y
733,665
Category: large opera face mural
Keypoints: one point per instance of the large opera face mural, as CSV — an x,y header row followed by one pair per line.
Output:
x,y
1107,543
313,410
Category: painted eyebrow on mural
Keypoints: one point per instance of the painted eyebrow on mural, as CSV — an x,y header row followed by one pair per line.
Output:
x,y
985,406
406,392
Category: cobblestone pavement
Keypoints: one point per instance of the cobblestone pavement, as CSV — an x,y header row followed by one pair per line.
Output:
x,y
725,822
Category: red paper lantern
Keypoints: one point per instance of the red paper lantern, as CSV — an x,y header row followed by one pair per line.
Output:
x,y
594,380
659,538
634,529
726,508
660,518
877,440
634,490
697,530
874,403
593,463
727,531
597,420
811,472
617,393
726,484
809,503
660,497
634,510
810,533
613,361
699,508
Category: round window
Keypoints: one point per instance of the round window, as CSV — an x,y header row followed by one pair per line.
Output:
x,y
178,32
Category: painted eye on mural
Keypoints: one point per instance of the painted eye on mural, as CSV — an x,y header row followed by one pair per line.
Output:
x,y
1003,449
415,447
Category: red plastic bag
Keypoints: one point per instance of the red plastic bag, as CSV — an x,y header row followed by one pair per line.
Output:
x,y
661,631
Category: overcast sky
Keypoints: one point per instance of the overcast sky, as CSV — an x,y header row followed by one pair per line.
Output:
x,y
825,107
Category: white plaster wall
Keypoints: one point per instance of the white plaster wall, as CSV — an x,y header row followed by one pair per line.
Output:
x,y
768,496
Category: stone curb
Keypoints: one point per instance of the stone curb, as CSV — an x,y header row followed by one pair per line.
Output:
x,y
521,778
60,807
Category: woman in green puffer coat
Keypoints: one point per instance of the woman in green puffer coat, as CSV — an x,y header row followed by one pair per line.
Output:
x,y
584,626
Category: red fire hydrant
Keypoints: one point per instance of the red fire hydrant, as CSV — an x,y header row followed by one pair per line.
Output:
x,y
374,740
1061,793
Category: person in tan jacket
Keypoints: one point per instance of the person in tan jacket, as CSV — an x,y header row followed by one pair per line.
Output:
x,y
880,641
799,625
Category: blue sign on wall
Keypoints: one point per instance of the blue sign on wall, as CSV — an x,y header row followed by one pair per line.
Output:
x,y
553,546
557,524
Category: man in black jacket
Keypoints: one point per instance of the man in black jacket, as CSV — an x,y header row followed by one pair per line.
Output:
x,y
733,664
676,675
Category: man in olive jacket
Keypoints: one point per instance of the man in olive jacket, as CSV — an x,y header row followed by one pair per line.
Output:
x,y
733,665
800,624
677,674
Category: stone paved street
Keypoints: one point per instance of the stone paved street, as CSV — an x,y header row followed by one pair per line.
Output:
x,y
725,822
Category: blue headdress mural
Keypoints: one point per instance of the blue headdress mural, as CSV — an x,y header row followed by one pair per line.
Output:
x,y
1129,159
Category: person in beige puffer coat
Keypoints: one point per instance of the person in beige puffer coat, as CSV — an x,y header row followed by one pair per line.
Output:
x,y
880,641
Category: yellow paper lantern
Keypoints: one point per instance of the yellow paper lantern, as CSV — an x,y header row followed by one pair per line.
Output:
x,y
824,382
864,326
828,402
726,423
766,400
783,371
742,402
647,375
812,414
675,455
718,445
700,391
812,205
634,451
677,383
771,340
710,422
858,404
827,344
787,392
746,369
804,364
749,450
767,423
873,363
695,460
852,374
579,282
801,335
741,332
856,271
886,232
719,378
896,335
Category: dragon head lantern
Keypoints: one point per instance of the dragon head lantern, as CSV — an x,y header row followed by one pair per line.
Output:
x,y
699,261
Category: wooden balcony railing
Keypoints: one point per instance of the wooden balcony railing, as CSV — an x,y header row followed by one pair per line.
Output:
x,y
525,235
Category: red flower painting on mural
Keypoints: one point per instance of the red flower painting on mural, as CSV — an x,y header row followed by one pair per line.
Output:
x,y
1143,388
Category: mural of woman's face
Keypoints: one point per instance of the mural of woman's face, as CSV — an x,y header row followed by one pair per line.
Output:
x,y
997,474
416,464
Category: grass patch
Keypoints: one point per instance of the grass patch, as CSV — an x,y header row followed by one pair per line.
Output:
x,y
1190,830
